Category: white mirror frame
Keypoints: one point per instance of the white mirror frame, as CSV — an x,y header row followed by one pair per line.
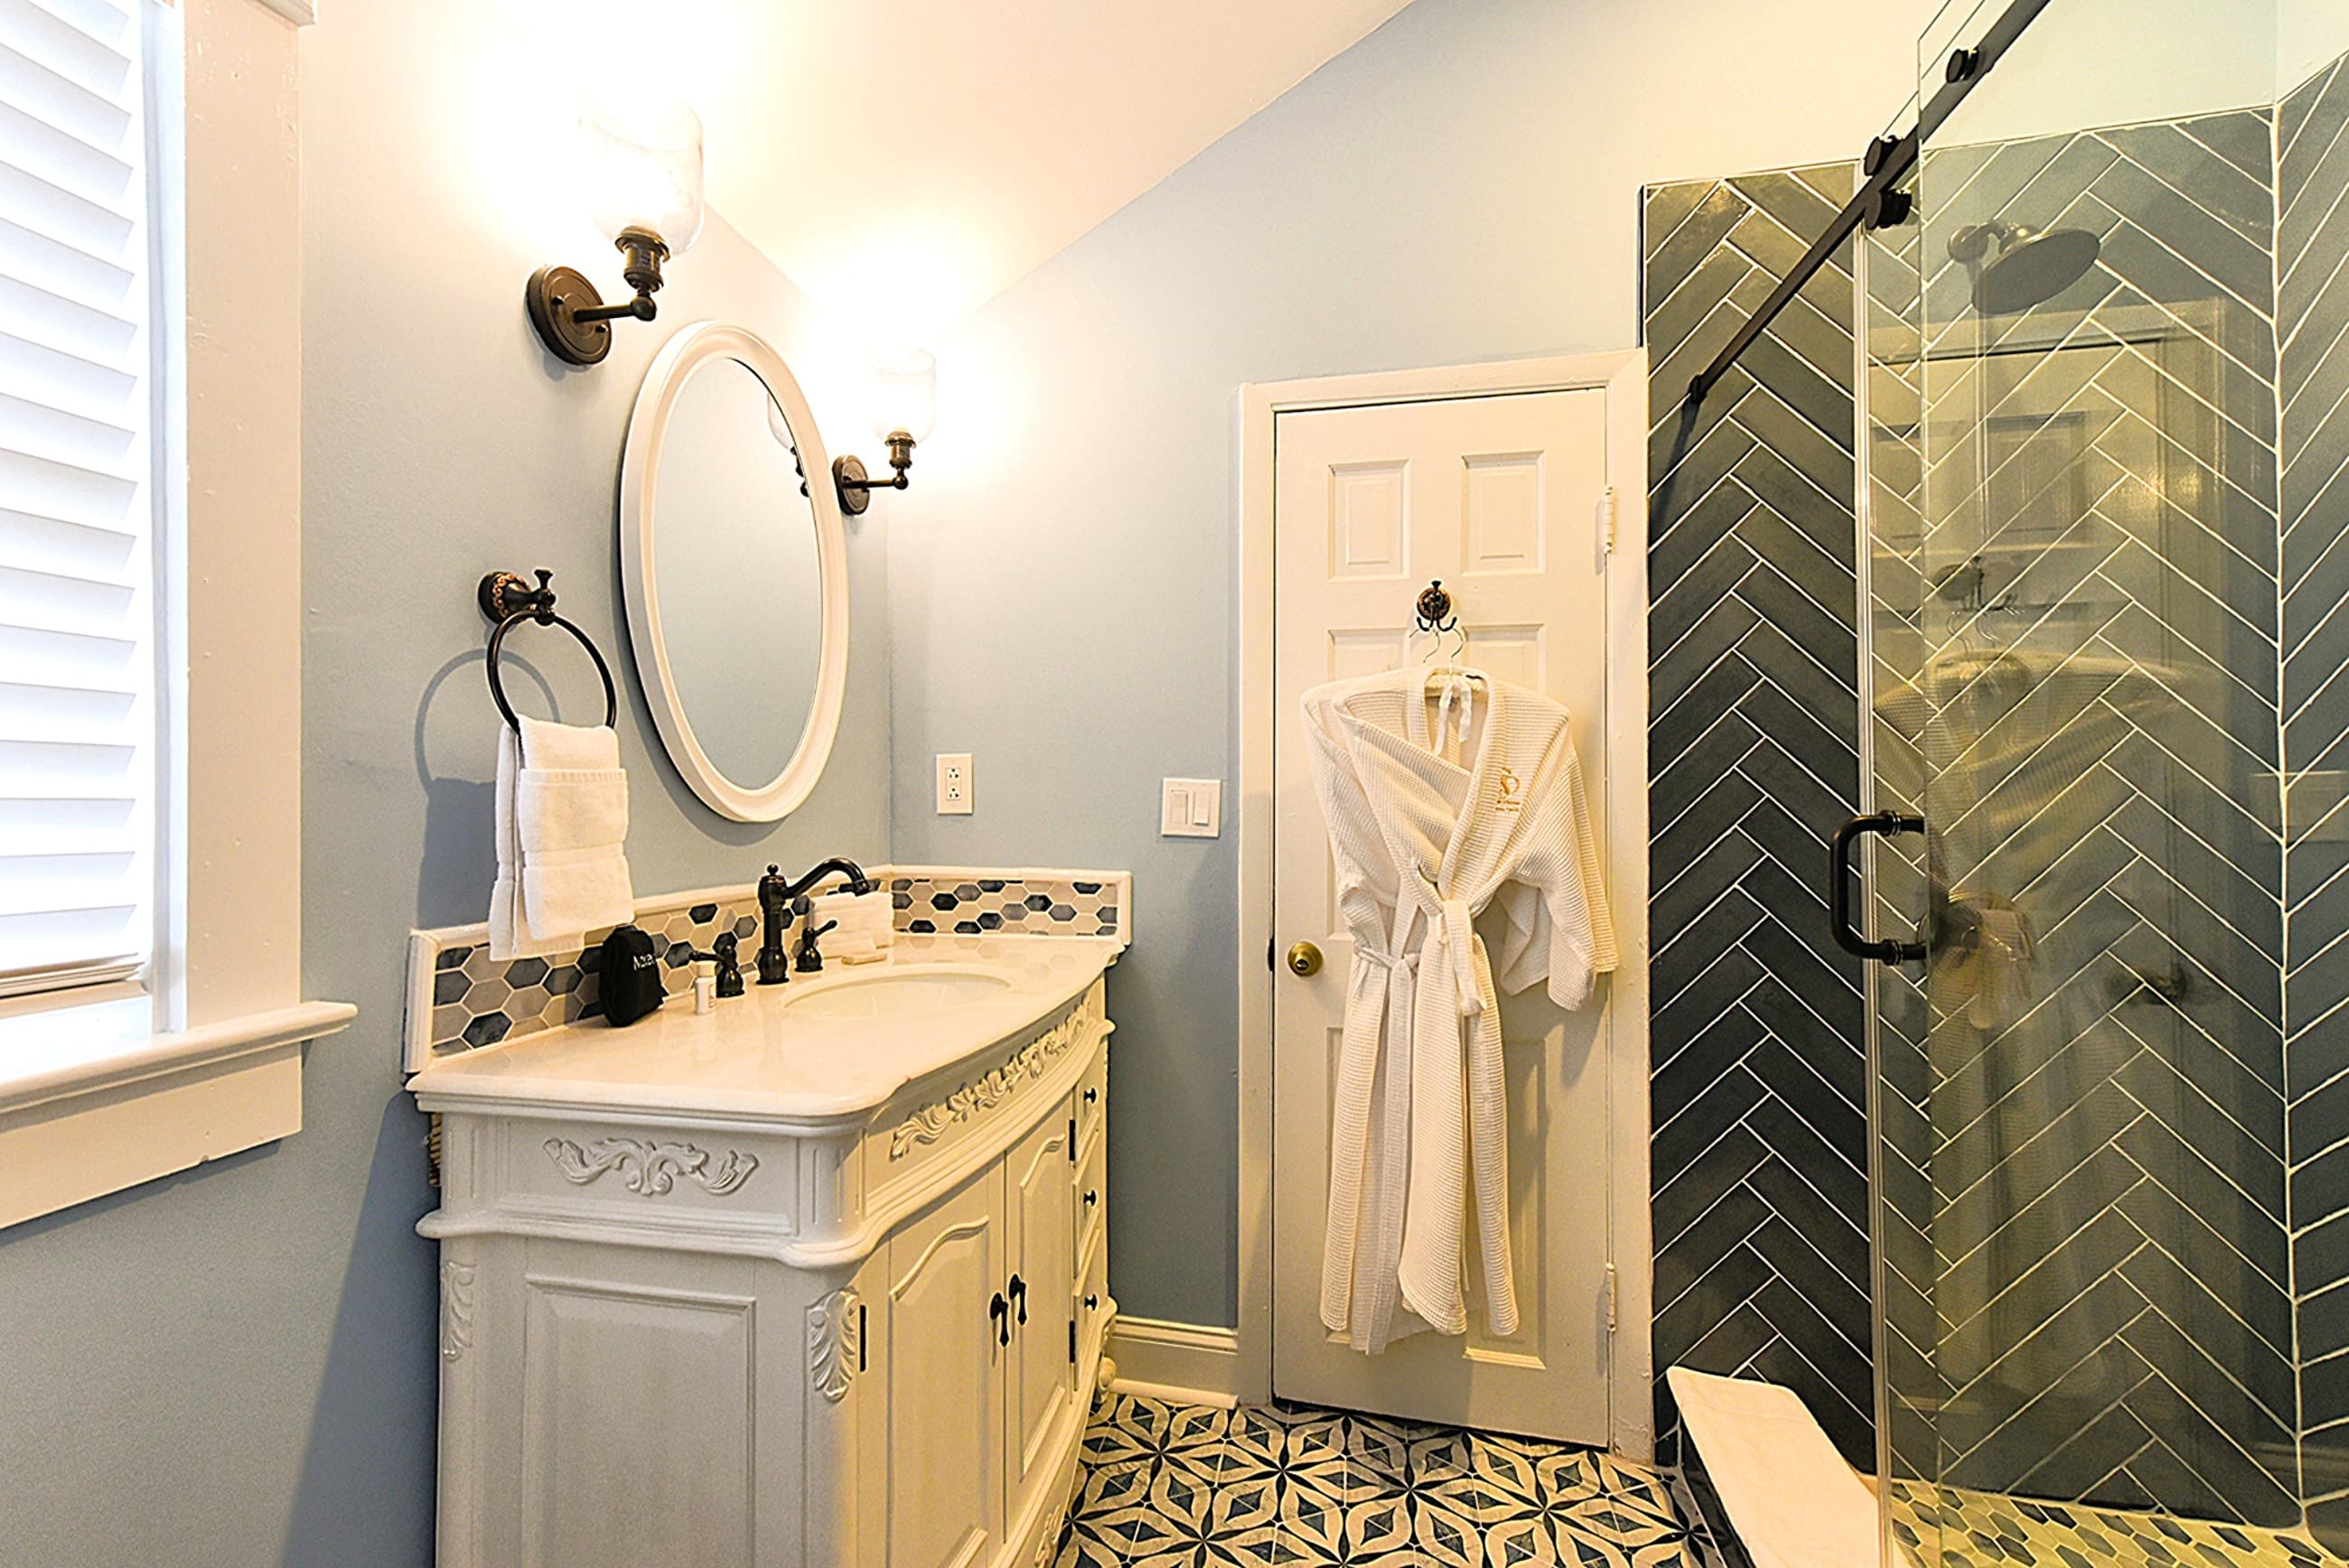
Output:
x,y
640,481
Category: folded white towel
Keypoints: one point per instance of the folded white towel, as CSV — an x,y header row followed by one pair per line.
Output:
x,y
860,917
562,821
1793,1500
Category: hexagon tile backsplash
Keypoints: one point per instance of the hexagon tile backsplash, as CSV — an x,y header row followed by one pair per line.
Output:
x,y
460,999
951,902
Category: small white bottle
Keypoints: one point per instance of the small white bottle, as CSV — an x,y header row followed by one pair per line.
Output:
x,y
705,986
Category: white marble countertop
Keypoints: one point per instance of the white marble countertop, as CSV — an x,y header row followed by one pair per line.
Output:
x,y
784,1051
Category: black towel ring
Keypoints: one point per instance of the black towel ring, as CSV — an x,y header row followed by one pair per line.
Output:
x,y
508,601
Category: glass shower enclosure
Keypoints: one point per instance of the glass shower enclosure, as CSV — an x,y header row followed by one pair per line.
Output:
x,y
2106,595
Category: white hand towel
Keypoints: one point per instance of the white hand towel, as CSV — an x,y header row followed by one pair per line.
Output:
x,y
864,920
562,821
859,949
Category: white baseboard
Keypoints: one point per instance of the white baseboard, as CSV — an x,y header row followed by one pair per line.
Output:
x,y
1184,1363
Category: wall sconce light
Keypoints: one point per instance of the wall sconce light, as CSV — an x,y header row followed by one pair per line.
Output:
x,y
903,385
640,170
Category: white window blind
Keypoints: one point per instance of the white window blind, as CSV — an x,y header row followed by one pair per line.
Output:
x,y
78,729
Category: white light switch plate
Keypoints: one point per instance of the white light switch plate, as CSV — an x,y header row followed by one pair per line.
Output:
x,y
954,783
1191,808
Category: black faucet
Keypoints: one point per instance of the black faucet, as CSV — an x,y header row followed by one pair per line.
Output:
x,y
776,893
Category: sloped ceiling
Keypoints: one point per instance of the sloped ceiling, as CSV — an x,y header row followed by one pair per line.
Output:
x,y
904,161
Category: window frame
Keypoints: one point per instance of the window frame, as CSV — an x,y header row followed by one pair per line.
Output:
x,y
105,1087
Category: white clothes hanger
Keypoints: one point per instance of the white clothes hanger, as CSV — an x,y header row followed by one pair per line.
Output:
x,y
1450,683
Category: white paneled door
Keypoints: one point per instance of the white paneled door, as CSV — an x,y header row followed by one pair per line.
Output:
x,y
1504,499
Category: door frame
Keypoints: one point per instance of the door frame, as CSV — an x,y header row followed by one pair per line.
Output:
x,y
1623,376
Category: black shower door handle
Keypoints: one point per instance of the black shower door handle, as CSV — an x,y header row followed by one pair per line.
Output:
x,y
1841,877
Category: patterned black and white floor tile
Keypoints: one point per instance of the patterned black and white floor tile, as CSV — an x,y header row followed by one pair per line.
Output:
x,y
1186,1486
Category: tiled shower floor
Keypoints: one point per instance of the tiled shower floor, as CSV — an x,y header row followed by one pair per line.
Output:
x,y
1167,1485
1975,1530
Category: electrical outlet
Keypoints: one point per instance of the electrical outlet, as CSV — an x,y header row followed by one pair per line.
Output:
x,y
954,783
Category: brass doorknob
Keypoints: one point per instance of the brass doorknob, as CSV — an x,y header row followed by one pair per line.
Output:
x,y
1305,960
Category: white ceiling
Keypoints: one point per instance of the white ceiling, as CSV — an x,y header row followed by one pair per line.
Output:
x,y
906,161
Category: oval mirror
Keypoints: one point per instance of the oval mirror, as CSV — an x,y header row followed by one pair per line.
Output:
x,y
735,572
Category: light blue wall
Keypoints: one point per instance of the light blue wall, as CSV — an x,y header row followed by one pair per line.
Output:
x,y
1462,185
236,1367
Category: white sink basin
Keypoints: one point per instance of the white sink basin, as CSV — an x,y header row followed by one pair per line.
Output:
x,y
894,994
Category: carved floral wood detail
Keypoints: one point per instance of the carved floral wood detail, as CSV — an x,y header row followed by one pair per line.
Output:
x,y
931,1122
1050,1541
835,1342
456,1308
650,1167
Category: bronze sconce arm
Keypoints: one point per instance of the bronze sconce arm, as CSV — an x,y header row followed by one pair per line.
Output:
x,y
570,314
856,487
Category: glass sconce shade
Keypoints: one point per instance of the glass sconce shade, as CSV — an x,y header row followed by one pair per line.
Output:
x,y
902,386
640,168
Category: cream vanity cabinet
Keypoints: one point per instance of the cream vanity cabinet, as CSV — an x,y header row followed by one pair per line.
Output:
x,y
680,1332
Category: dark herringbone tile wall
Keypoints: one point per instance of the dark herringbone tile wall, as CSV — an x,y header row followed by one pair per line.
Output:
x,y
2312,322
1760,1083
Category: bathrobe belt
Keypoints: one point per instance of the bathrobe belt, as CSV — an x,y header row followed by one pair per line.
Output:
x,y
1454,938
1360,1285
1459,1133
1370,1214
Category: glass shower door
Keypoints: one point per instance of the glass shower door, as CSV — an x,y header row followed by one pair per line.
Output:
x,y
2085,1289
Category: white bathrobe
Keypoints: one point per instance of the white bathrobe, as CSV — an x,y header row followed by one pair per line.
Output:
x,y
1425,835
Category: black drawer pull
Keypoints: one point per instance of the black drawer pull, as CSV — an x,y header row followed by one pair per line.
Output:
x,y
1092,1197
1092,1304
999,1312
1092,1097
1019,1294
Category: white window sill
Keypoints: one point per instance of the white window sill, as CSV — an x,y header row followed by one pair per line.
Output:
x,y
92,1100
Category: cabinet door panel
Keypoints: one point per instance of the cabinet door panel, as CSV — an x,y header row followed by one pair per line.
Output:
x,y
636,1432
1043,1381
944,1423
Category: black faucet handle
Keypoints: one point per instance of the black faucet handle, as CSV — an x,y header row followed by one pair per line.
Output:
x,y
811,961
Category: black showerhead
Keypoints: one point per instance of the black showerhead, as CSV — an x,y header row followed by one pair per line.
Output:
x,y
2016,267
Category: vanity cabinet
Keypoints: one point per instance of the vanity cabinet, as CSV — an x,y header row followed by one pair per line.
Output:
x,y
705,1335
